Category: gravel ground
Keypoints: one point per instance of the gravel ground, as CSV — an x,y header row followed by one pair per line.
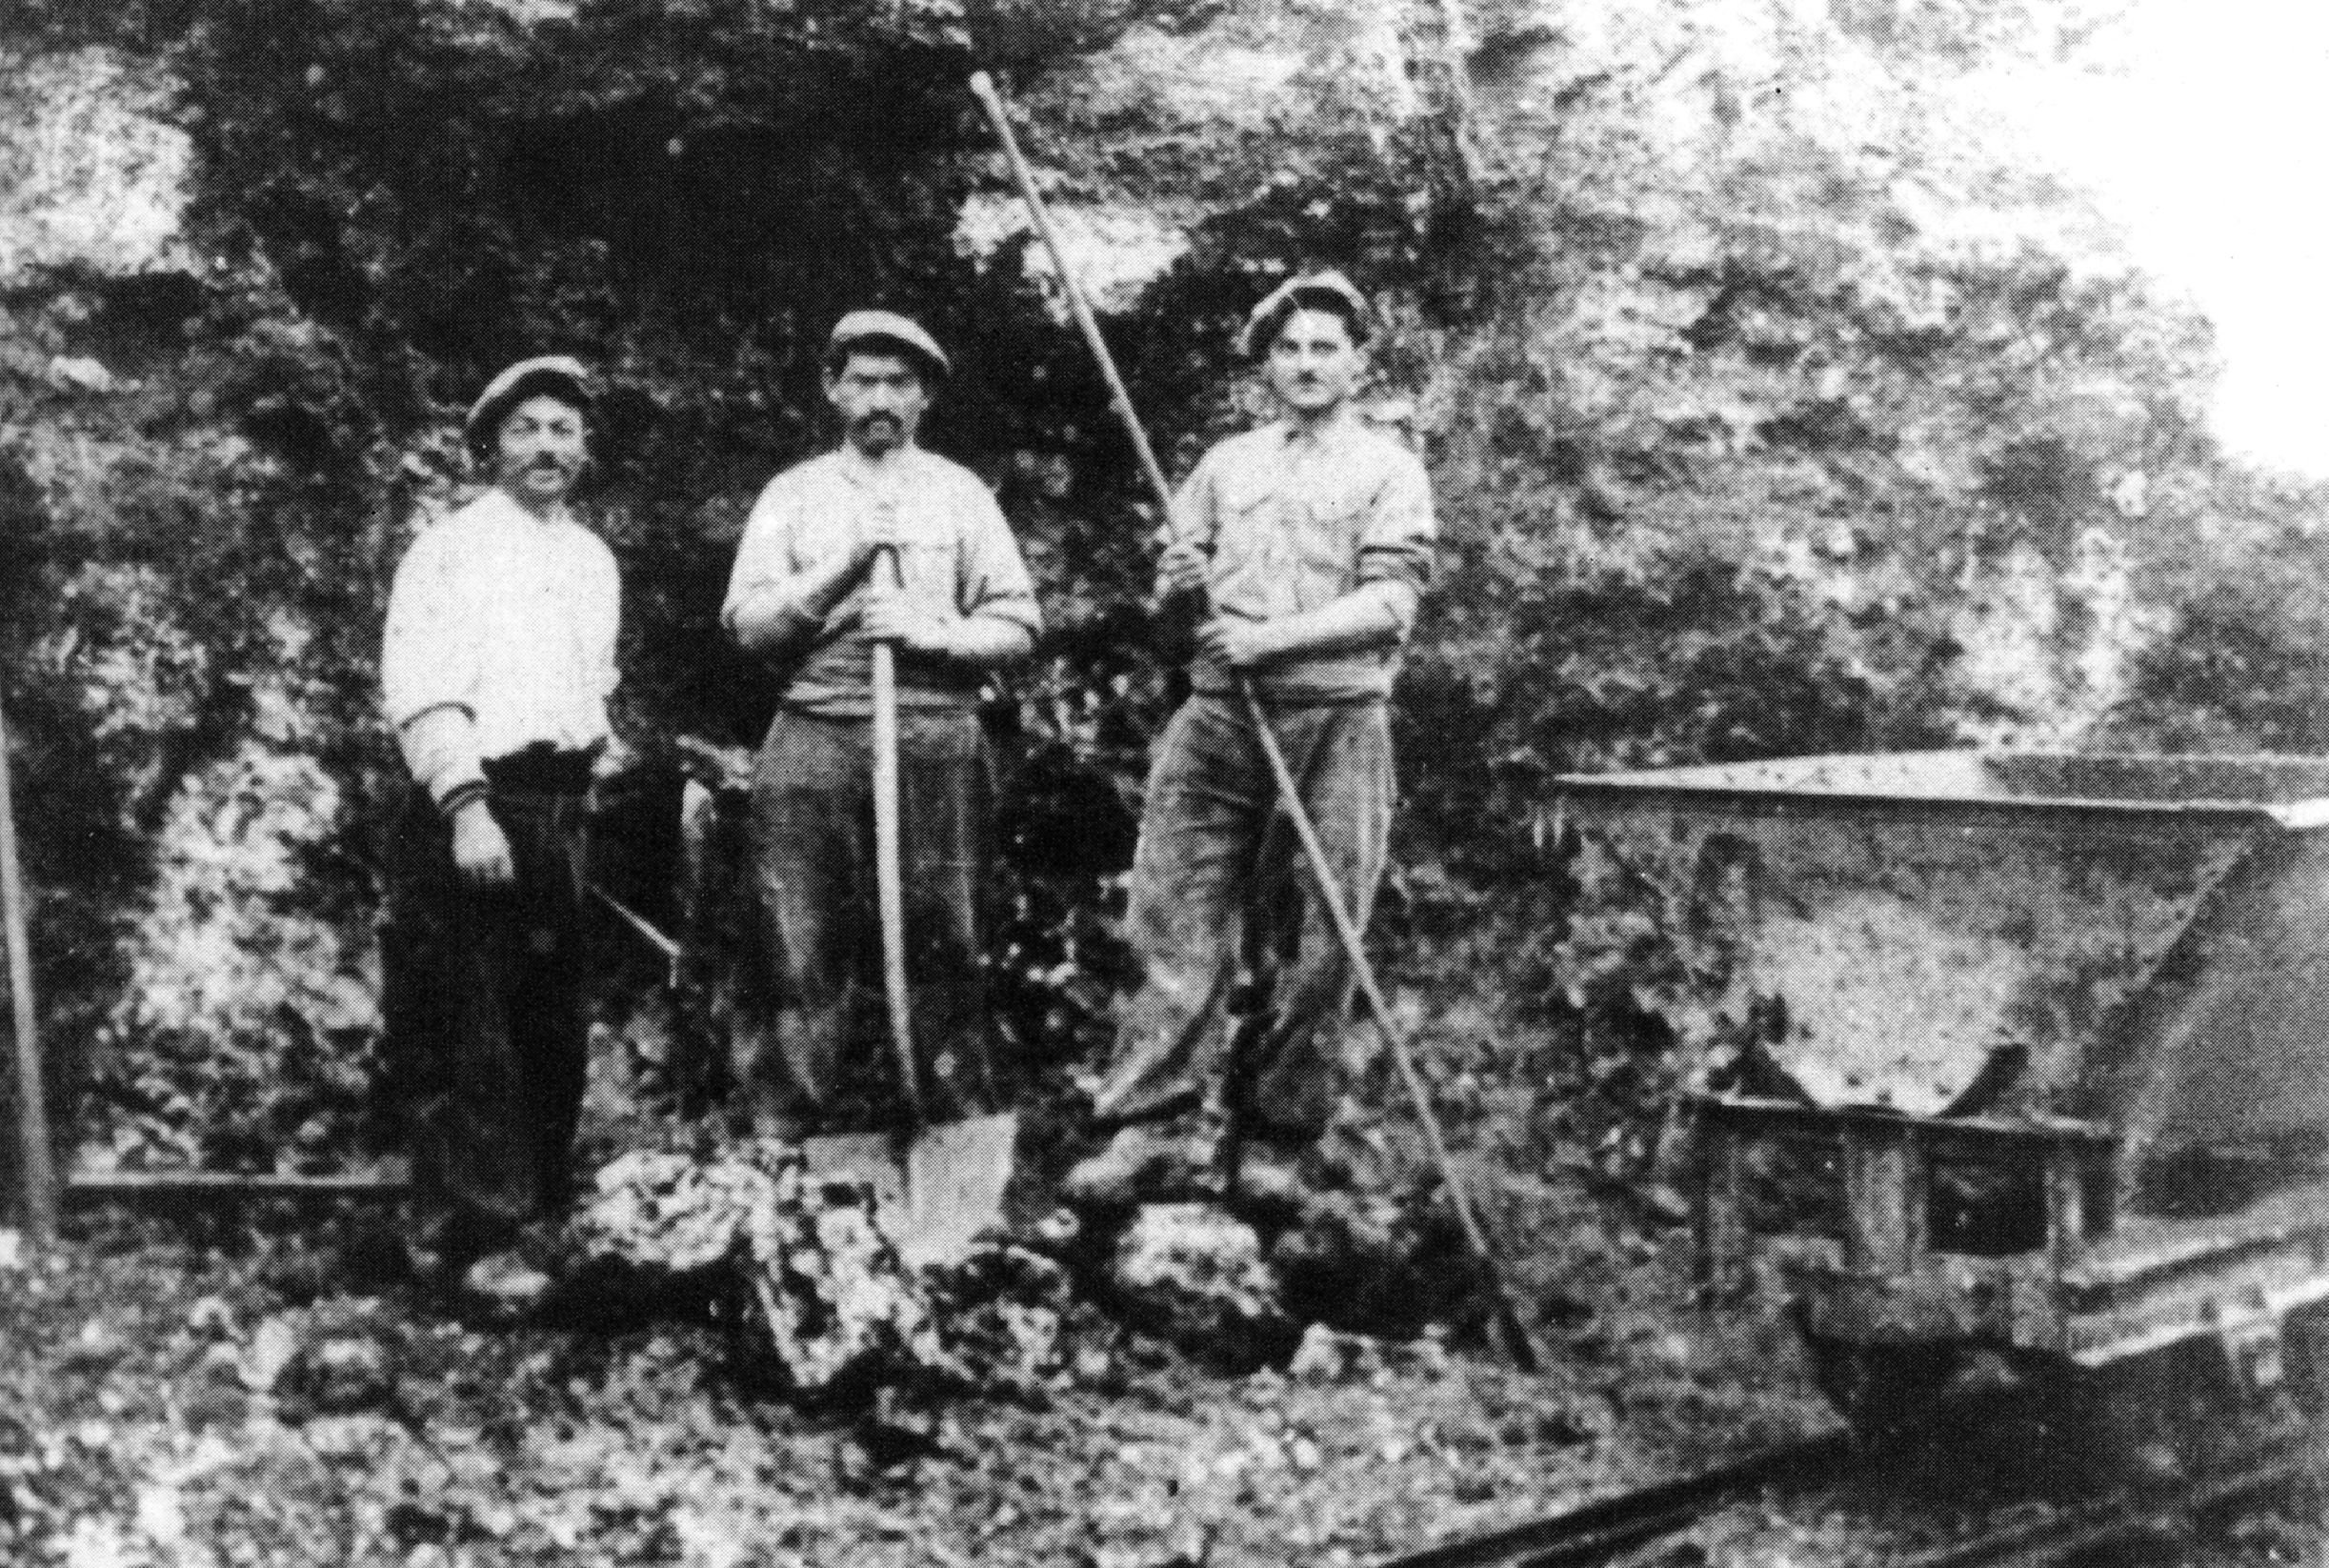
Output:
x,y
247,1399
172,1399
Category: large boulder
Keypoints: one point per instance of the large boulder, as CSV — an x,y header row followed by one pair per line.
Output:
x,y
821,1304
1196,1274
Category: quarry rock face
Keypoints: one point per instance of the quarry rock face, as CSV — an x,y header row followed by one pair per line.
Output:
x,y
93,177
1678,315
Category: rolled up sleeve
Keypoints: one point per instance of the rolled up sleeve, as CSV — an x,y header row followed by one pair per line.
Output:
x,y
1399,544
603,628
994,582
429,660
764,611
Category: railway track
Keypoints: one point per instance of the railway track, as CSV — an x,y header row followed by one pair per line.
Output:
x,y
1600,1531
2083,1532
1608,1529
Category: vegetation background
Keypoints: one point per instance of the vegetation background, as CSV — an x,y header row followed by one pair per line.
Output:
x,y
1776,404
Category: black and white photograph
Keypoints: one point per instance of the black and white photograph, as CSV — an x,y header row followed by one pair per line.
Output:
x,y
1164,784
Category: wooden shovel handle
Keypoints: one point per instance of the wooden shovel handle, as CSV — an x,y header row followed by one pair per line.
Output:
x,y
888,881
35,1174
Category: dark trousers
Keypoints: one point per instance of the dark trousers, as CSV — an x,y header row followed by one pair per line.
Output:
x,y
825,1057
483,999
1220,883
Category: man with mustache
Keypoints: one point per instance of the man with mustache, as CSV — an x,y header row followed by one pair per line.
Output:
x,y
496,665
878,540
1311,538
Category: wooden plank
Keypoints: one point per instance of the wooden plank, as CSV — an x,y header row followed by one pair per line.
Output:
x,y
2065,1179
1724,1246
1885,1198
35,1170
223,1186
1968,1131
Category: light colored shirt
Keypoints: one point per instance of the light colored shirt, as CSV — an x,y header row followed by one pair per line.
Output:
x,y
1297,518
501,633
956,558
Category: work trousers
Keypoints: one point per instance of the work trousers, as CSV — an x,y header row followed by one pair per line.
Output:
x,y
825,1060
1220,883
485,1008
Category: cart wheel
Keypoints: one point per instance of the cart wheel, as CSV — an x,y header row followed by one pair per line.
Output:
x,y
1885,1390
2305,1349
2160,1417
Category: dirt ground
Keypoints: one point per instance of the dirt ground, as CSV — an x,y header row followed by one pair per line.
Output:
x,y
243,1396
263,1391
188,1395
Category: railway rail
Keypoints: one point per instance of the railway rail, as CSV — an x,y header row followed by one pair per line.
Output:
x,y
2087,1529
1603,1530
2058,1535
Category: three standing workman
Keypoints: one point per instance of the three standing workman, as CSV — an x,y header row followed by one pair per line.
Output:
x,y
496,665
1309,540
877,540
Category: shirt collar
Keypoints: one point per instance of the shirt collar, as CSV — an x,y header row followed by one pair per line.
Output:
x,y
1294,436
862,474
511,511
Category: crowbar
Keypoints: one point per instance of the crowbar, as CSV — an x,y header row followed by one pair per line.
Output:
x,y
646,932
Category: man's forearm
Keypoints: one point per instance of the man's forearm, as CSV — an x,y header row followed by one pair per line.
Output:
x,y
1373,614
439,744
782,617
986,641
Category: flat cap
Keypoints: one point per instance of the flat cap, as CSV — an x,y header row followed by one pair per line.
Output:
x,y
561,375
885,326
1329,289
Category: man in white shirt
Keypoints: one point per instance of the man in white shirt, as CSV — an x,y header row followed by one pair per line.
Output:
x,y
496,665
806,596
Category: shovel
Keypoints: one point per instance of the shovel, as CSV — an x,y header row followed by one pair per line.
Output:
x,y
940,1184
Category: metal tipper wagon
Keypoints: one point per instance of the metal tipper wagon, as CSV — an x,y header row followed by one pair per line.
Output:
x,y
2027,1056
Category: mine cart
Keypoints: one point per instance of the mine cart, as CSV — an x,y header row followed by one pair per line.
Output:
x,y
2015,1055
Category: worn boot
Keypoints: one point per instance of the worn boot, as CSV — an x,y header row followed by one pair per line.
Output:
x,y
1148,1162
1275,1174
502,1287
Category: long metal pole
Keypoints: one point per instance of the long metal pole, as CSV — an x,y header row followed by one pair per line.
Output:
x,y
33,1163
1518,1343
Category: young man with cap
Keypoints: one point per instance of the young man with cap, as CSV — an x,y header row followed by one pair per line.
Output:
x,y
814,588
1311,538
496,665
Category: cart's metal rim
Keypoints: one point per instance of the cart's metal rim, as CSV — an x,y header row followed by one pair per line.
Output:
x,y
1798,788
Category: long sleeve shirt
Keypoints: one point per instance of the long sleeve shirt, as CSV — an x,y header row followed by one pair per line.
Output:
x,y
956,558
1294,520
501,636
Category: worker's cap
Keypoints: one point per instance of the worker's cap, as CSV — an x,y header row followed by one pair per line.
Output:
x,y
1327,290
889,329
561,377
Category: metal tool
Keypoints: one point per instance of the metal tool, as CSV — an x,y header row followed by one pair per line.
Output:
x,y
646,932
940,1183
1518,1343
